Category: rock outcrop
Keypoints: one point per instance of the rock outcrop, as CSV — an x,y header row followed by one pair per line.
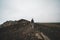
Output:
x,y
23,30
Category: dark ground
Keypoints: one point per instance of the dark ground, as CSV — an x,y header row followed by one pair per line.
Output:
x,y
52,30
13,32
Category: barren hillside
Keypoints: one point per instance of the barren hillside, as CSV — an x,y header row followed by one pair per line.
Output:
x,y
22,30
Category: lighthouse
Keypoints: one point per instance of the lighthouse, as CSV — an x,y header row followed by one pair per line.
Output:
x,y
32,23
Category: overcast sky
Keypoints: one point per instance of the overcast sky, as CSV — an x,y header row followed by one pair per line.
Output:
x,y
39,10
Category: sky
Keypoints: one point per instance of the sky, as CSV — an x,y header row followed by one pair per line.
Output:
x,y
39,10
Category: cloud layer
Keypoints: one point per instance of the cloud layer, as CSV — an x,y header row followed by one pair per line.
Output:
x,y
40,10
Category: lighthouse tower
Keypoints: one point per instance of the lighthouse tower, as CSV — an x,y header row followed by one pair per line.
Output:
x,y
32,23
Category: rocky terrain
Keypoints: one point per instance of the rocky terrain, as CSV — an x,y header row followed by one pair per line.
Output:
x,y
28,30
